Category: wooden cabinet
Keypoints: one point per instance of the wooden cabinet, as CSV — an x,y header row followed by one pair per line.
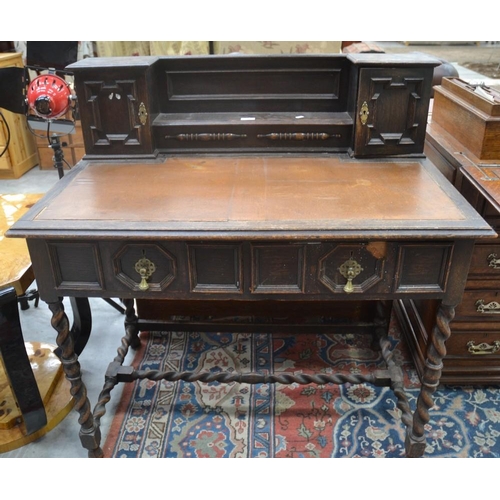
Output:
x,y
364,104
116,111
21,154
473,351
72,147
392,109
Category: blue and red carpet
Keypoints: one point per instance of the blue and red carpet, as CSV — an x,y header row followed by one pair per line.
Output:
x,y
197,420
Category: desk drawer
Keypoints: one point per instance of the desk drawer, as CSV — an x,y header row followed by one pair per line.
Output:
x,y
249,269
485,263
474,344
479,305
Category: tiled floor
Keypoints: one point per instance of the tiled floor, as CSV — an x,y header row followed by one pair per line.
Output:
x,y
107,328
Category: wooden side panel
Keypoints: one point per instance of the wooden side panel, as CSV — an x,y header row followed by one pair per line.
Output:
x,y
278,268
76,265
253,84
422,267
475,129
215,268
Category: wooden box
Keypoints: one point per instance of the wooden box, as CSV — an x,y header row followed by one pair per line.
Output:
x,y
74,149
471,118
21,154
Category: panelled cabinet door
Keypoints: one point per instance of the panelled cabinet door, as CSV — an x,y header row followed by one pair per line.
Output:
x,y
115,114
391,111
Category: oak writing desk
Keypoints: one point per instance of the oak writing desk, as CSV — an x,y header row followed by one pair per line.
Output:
x,y
314,221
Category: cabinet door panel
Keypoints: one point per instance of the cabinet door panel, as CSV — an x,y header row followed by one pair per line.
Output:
x,y
114,115
392,109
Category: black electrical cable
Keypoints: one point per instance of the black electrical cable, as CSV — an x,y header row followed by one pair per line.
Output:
x,y
8,135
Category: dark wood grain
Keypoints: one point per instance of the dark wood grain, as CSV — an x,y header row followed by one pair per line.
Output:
x,y
263,223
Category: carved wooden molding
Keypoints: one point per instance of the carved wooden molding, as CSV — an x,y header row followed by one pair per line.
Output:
x,y
298,136
206,137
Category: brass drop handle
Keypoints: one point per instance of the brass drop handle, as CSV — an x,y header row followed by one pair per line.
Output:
x,y
349,270
490,308
145,268
483,348
493,261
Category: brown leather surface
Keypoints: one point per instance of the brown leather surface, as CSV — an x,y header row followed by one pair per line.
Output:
x,y
271,189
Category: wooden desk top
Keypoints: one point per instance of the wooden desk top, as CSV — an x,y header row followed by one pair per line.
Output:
x,y
326,196
15,264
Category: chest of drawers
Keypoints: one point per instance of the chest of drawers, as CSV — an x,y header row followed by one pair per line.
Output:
x,y
473,354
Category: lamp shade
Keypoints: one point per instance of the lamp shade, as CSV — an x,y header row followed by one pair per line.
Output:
x,y
49,96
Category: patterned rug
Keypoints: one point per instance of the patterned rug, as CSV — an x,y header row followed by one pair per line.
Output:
x,y
199,420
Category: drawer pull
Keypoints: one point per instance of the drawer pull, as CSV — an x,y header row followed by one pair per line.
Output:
x,y
145,268
490,308
493,261
349,270
483,348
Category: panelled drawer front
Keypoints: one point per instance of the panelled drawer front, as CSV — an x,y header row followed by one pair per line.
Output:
x,y
479,305
76,266
355,268
485,263
474,344
345,269
145,266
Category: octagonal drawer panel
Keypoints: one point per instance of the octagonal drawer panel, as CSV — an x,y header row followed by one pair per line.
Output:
x,y
144,267
356,267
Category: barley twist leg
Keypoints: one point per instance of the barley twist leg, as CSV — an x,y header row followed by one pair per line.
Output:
x,y
382,319
436,351
111,379
131,323
90,435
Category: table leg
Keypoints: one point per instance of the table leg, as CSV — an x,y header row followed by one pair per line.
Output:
x,y
111,378
436,351
131,323
90,435
382,321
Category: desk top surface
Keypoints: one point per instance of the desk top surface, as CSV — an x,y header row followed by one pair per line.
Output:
x,y
252,194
